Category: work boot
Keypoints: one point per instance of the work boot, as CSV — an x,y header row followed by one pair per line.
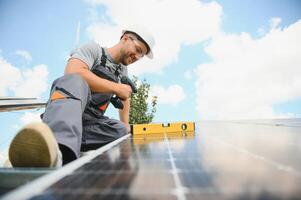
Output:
x,y
35,146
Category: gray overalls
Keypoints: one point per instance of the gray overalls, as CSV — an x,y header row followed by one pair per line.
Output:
x,y
76,115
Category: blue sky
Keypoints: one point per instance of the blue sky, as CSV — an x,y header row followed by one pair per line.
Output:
x,y
208,61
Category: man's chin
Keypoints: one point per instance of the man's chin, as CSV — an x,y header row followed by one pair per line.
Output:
x,y
124,63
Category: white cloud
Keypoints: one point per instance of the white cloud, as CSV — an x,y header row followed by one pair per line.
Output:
x,y
105,34
261,31
30,117
9,76
247,77
34,82
26,118
31,82
3,157
172,95
275,22
24,54
169,21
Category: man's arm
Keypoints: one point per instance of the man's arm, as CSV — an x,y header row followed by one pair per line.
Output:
x,y
124,113
96,83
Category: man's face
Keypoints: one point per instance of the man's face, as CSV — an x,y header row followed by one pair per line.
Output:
x,y
133,49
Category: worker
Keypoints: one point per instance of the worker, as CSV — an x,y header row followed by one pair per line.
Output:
x,y
74,119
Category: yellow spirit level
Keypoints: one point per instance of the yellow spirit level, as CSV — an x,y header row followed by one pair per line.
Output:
x,y
150,138
142,129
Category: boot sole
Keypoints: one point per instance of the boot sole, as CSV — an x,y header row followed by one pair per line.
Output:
x,y
33,146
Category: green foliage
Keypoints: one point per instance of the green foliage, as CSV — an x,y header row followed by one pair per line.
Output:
x,y
139,110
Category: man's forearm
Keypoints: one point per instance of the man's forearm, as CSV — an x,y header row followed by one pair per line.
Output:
x,y
124,113
95,83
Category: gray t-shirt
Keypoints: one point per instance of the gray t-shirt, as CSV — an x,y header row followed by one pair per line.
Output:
x,y
90,53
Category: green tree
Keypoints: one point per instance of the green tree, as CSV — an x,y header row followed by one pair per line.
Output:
x,y
140,113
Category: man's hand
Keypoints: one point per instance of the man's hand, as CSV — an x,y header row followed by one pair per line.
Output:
x,y
128,127
123,91
124,114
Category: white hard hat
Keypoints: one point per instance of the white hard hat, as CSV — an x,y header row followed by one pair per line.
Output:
x,y
145,35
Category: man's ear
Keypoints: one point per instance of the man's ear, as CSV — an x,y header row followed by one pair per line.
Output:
x,y
125,37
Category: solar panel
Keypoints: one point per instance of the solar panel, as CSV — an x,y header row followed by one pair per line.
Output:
x,y
222,160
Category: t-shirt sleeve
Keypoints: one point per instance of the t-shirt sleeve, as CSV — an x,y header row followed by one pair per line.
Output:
x,y
88,53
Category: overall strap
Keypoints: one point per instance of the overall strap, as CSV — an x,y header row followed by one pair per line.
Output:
x,y
103,58
103,61
106,71
115,69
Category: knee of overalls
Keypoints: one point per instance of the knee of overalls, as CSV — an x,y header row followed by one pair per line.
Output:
x,y
71,86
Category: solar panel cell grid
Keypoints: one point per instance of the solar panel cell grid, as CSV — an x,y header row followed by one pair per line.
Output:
x,y
221,161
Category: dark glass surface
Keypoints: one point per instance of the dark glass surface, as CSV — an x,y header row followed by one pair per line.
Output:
x,y
222,160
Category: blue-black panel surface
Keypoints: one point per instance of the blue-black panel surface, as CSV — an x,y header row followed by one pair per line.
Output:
x,y
223,160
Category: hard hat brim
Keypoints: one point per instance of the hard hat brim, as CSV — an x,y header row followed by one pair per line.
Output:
x,y
150,54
